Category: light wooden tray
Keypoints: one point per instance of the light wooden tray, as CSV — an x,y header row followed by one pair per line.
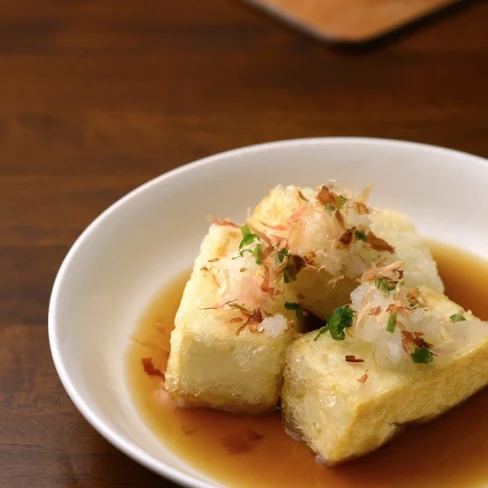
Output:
x,y
351,21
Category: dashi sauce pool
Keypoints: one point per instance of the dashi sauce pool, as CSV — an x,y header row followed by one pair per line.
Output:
x,y
244,451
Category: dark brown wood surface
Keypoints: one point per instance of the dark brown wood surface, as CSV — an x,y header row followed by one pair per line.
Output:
x,y
98,96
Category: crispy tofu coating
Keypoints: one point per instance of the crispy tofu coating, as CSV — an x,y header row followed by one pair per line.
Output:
x,y
395,354
233,326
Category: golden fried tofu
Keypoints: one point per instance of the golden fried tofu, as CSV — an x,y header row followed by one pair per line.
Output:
x,y
301,249
339,236
418,265
396,355
229,343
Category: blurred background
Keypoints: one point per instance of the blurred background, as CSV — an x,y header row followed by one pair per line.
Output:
x,y
97,97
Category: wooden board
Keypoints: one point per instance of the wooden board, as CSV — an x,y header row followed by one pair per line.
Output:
x,y
351,20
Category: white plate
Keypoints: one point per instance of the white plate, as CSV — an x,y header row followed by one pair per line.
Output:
x,y
142,241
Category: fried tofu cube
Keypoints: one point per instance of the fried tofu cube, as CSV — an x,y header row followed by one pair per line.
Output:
x,y
240,309
418,264
343,407
216,360
312,230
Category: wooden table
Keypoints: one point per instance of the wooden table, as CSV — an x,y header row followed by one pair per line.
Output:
x,y
99,96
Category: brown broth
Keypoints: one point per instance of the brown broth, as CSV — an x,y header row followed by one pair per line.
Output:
x,y
449,452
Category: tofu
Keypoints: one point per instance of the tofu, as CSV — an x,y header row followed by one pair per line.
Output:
x,y
319,294
211,363
328,283
343,410
418,265
219,357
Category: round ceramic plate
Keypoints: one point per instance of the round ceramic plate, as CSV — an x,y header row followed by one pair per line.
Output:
x,y
128,253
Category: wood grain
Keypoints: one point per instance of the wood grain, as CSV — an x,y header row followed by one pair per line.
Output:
x,y
97,97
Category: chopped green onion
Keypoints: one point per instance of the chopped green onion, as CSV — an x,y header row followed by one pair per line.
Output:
x,y
323,330
294,306
360,235
280,256
337,321
392,320
341,200
330,208
249,238
384,284
257,254
457,317
246,231
422,355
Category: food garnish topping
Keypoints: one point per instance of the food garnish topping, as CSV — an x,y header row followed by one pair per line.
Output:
x,y
228,222
457,317
395,319
277,262
296,307
149,368
340,319
353,359
364,378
